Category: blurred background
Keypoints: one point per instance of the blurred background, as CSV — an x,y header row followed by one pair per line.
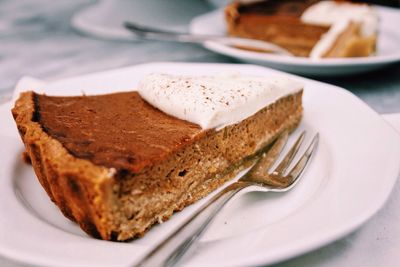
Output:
x,y
53,39
38,38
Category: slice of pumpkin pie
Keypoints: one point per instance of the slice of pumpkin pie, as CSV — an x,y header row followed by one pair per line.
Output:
x,y
119,163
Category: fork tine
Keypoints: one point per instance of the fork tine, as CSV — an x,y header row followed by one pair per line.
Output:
x,y
269,157
282,167
301,164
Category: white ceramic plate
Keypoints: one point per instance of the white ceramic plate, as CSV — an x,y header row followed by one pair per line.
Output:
x,y
95,19
350,178
387,51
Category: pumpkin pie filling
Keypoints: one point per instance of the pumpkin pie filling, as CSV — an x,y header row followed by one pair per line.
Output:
x,y
120,130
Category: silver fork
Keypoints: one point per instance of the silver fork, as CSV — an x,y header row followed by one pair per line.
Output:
x,y
174,247
241,43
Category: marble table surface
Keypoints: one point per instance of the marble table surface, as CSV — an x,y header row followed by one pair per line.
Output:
x,y
36,39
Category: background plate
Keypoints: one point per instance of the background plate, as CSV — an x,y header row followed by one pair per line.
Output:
x,y
387,51
351,176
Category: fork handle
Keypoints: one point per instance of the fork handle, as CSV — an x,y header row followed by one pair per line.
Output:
x,y
150,33
172,249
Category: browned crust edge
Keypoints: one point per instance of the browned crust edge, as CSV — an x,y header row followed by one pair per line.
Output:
x,y
76,186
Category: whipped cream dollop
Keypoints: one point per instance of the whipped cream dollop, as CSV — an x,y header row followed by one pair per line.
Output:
x,y
214,101
338,15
